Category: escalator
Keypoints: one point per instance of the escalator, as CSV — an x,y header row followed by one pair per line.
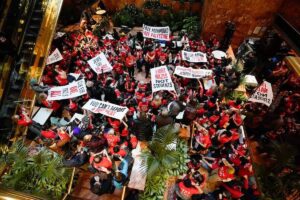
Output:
x,y
24,58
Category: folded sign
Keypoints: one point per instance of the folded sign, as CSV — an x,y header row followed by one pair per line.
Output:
x,y
192,73
74,89
161,79
159,33
100,64
263,94
194,56
106,108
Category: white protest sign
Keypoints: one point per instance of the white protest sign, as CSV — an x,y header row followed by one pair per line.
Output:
x,y
250,80
209,83
161,79
76,76
106,108
195,57
77,116
159,33
74,89
54,57
191,72
263,94
59,34
100,64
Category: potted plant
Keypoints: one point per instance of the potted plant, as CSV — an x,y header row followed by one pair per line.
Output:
x,y
36,171
165,157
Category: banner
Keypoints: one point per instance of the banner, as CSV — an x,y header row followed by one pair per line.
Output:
x,y
106,108
263,94
54,57
100,64
161,79
191,72
74,89
159,33
194,56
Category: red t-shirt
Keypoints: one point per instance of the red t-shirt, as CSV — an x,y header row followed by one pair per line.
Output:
x,y
223,173
205,140
48,134
105,162
122,152
130,61
112,140
143,106
187,192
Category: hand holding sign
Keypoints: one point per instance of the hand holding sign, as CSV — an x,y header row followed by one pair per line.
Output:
x,y
161,79
100,64
263,94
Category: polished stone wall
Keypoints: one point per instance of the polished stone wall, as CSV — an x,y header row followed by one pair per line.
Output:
x,y
251,17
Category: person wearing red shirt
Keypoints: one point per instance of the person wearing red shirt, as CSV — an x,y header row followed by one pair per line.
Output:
x,y
48,134
23,118
150,60
54,105
143,105
186,189
61,76
139,59
117,151
133,141
163,58
100,162
129,86
224,137
130,64
118,68
225,172
139,95
112,139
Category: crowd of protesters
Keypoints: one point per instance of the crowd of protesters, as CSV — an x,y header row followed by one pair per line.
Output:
x,y
218,145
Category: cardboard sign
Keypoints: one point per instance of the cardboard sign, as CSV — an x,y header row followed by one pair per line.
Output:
x,y
100,64
159,33
74,89
263,94
161,79
54,57
194,57
106,108
192,73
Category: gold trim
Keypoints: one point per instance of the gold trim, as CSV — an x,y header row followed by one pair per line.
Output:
x,y
293,63
6,194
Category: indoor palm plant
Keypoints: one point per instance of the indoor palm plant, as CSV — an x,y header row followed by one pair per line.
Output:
x,y
165,156
36,171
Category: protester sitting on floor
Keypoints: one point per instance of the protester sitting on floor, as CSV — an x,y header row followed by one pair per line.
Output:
x,y
101,184
100,162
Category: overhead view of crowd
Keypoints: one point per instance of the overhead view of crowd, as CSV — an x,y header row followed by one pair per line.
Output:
x,y
105,142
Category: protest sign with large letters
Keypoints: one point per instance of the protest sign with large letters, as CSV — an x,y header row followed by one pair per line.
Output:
x,y
194,57
263,94
106,108
161,79
54,57
189,72
100,64
159,33
74,89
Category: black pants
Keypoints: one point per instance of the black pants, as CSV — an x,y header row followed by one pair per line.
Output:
x,y
131,71
148,66
139,64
